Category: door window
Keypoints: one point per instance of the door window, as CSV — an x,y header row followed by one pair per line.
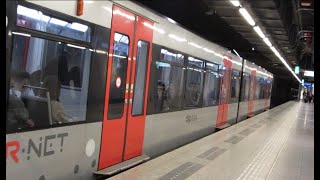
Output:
x,y
140,77
118,76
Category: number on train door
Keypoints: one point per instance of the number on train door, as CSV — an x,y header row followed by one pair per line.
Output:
x,y
224,93
252,91
126,88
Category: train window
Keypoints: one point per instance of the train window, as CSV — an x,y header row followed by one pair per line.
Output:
x,y
262,88
171,57
211,85
47,77
256,94
118,76
245,87
169,87
36,20
140,77
235,86
194,83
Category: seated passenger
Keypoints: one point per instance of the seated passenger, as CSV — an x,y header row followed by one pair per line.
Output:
x,y
19,81
52,84
17,115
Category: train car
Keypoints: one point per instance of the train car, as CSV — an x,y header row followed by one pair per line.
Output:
x,y
95,87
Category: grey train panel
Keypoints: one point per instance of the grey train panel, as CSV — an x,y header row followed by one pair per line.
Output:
x,y
167,131
42,153
243,111
232,113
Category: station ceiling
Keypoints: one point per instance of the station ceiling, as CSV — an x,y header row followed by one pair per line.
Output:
x,y
287,23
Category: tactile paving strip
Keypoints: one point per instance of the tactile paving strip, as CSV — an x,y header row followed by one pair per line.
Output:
x,y
246,132
234,139
182,172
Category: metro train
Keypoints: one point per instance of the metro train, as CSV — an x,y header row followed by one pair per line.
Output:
x,y
113,83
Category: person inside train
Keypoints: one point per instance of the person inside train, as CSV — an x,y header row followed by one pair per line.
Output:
x,y
53,85
160,96
19,81
17,115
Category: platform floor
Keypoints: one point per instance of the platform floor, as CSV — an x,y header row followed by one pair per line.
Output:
x,y
275,145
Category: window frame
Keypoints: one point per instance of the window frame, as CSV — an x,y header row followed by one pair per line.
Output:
x,y
124,104
186,65
50,37
145,82
240,81
205,77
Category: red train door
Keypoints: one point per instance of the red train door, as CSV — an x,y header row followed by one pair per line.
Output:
x,y
224,93
126,88
252,90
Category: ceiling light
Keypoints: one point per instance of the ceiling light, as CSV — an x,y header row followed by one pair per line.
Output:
x,y
266,40
259,31
247,16
236,3
171,20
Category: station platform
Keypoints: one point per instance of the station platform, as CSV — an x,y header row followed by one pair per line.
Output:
x,y
276,145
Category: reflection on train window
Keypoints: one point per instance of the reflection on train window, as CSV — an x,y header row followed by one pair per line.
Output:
x,y
235,86
140,78
262,88
169,87
257,90
171,57
44,71
245,87
194,83
118,76
211,85
34,19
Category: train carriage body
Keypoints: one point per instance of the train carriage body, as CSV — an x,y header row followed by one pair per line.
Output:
x,y
127,83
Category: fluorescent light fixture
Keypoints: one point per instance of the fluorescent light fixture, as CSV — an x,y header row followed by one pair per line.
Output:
x,y
79,27
58,22
236,53
236,3
74,46
154,28
247,16
22,34
171,20
259,32
309,73
91,50
266,40
177,38
194,44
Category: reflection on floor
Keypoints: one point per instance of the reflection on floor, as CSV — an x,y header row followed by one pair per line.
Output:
x,y
275,145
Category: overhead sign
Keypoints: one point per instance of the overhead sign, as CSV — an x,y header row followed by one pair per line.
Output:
x,y
309,73
297,69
